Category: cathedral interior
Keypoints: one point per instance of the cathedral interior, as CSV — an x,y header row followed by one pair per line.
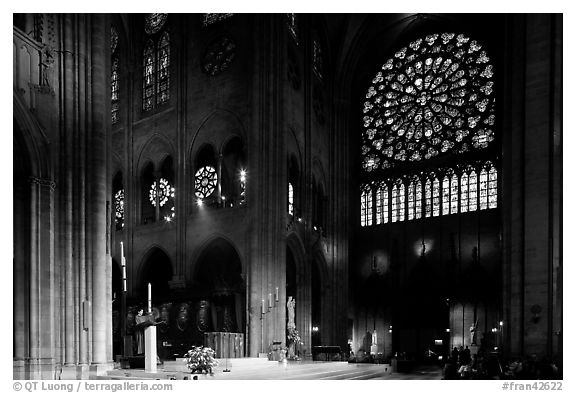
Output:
x,y
398,175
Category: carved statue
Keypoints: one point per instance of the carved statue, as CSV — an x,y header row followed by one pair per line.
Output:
x,y
291,305
182,320
203,316
473,329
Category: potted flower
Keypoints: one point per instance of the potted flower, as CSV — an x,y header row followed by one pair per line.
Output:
x,y
293,338
200,359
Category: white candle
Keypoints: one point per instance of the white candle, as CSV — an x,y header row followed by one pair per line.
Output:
x,y
149,297
277,295
122,254
263,307
270,300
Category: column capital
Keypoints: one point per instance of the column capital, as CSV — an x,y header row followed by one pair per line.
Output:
x,y
42,182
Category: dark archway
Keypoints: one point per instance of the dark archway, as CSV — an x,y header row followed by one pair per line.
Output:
x,y
219,284
156,270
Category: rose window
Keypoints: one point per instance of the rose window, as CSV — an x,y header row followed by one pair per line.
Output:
x,y
434,97
119,204
205,181
161,191
154,22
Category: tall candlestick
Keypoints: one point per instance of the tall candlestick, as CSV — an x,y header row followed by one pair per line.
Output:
x,y
149,298
263,307
277,298
269,300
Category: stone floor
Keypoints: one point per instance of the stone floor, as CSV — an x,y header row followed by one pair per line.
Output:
x,y
262,369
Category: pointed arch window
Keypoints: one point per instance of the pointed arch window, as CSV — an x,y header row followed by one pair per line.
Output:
x,y
163,69
454,194
464,193
382,204
411,200
292,22
428,197
114,77
401,202
483,199
290,199
473,192
492,188
436,197
156,63
366,206
118,194
317,60
149,77
445,196
418,198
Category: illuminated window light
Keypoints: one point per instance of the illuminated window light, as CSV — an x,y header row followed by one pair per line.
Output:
x,y
199,202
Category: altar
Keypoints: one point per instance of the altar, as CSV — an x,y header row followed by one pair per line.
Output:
x,y
225,344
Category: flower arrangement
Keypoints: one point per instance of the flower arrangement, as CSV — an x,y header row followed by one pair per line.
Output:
x,y
293,335
200,359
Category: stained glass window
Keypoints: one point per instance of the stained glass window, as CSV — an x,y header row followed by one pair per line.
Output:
x,y
492,188
411,198
292,22
154,22
163,90
418,197
401,202
161,192
435,197
454,194
433,97
290,199
382,204
366,207
149,76
317,62
445,196
205,182
473,192
119,207
464,193
208,19
115,106
483,189
394,203
428,198
113,40
156,67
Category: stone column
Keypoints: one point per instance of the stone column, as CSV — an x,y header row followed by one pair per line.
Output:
x,y
99,184
42,288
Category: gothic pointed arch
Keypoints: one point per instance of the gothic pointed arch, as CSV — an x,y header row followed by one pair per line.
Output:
x,y
155,268
218,280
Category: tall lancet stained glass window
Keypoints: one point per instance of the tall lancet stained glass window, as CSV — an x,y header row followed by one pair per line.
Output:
x,y
292,22
114,77
148,94
290,199
156,62
366,206
382,203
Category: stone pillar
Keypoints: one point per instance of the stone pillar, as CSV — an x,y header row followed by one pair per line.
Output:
x,y
99,184
42,288
531,179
